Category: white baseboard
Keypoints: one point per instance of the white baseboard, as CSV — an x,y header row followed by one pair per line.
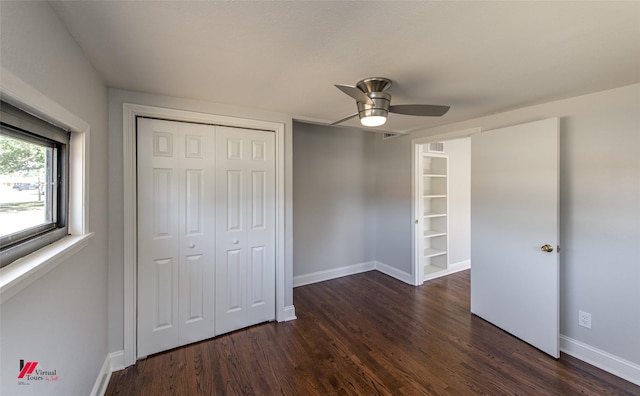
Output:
x,y
289,313
334,273
320,276
113,362
613,364
102,381
451,269
394,273
116,361
459,266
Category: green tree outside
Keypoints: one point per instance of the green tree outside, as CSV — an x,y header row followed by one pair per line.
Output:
x,y
21,158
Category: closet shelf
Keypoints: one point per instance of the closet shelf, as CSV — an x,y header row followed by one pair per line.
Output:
x,y
431,269
431,252
434,206
433,234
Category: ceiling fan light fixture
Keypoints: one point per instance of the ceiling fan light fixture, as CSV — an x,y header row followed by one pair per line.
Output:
x,y
373,120
373,116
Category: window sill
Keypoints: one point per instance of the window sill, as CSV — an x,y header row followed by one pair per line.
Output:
x,y
23,272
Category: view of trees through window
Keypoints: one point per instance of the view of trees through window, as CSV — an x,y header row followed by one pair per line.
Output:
x,y
23,184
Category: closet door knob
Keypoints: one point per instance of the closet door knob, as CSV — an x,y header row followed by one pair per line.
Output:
x,y
546,248
192,245
235,241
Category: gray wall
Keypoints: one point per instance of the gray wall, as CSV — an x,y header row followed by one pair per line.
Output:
x,y
337,199
600,210
393,195
333,198
60,320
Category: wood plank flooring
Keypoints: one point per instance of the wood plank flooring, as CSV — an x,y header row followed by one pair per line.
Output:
x,y
369,334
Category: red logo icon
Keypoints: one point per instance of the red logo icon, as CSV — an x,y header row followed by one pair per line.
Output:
x,y
26,369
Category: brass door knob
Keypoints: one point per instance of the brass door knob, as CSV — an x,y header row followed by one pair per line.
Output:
x,y
546,248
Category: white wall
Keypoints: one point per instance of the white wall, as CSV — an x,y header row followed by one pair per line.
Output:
x,y
60,320
459,211
116,191
600,210
333,198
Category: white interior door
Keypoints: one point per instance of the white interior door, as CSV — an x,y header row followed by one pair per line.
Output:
x,y
245,244
514,213
176,227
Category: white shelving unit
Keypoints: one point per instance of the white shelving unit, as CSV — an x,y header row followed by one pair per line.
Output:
x,y
435,244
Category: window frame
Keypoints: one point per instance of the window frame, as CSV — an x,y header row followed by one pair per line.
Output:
x,y
21,125
19,275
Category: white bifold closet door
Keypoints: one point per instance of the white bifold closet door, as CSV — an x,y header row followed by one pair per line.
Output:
x,y
187,210
245,242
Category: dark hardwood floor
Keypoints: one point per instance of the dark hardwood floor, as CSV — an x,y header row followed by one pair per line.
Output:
x,y
369,334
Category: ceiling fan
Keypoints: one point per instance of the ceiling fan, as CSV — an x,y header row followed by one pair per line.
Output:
x,y
374,104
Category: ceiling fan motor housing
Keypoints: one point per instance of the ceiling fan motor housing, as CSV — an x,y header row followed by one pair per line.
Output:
x,y
373,84
380,107
373,87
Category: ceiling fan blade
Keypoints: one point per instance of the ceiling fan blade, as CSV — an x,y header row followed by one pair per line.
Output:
x,y
344,119
420,110
355,93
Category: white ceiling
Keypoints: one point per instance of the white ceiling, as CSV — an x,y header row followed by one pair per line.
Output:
x,y
479,57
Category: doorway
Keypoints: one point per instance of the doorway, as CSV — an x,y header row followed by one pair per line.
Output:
x,y
442,208
514,228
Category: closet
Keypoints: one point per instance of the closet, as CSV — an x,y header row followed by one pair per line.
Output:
x,y
206,231
435,205
442,208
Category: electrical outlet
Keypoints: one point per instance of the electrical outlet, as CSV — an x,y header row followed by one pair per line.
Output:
x,y
584,319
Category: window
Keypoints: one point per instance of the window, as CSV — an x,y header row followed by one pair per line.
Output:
x,y
33,183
